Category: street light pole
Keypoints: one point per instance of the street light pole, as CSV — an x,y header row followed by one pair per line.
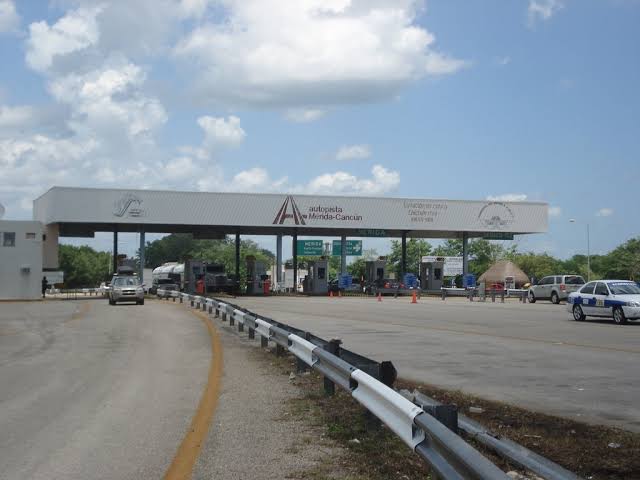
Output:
x,y
573,220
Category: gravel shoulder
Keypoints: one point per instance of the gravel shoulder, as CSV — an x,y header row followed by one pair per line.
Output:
x,y
253,433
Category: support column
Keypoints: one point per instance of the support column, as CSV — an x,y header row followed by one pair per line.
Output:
x,y
141,255
403,263
115,249
465,253
279,259
238,262
295,262
343,254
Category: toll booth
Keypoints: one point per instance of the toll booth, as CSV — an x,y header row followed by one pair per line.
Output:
x,y
256,276
316,281
375,272
431,275
194,270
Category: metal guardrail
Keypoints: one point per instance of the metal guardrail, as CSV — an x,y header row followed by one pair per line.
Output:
x,y
504,447
411,419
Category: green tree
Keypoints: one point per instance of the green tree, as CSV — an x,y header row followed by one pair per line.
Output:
x,y
357,268
83,266
450,248
416,248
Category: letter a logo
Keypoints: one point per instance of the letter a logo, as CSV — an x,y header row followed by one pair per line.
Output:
x,y
289,204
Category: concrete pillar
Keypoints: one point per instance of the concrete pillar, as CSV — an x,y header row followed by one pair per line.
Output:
x,y
343,254
295,262
279,259
141,255
238,260
115,249
404,256
465,253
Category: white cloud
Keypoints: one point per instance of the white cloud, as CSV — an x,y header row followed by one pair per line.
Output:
x,y
382,181
296,53
77,30
221,131
555,211
508,197
12,117
302,115
543,10
503,61
9,19
109,101
353,152
604,212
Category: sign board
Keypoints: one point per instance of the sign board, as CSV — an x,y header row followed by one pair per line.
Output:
x,y
452,265
310,247
354,248
497,236
364,232
54,278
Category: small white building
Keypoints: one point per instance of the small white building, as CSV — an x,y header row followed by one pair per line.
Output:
x,y
21,244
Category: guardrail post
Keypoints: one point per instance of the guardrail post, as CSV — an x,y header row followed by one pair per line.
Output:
x,y
471,295
181,299
332,347
524,297
444,294
232,320
502,297
264,342
210,309
252,333
493,296
224,316
217,314
191,303
301,366
240,327
447,415
279,350
174,299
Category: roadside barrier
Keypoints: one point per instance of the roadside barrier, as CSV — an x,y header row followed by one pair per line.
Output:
x,y
427,428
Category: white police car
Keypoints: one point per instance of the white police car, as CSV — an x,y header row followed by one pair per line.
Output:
x,y
619,299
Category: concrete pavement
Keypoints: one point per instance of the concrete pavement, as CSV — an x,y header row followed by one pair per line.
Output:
x,y
93,391
531,355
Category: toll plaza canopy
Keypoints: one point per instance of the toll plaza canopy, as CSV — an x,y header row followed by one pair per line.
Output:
x,y
80,212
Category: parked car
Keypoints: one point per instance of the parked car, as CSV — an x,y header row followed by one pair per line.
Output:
x,y
354,287
617,299
167,288
555,288
126,288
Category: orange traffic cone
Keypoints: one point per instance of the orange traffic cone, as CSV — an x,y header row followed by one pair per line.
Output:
x,y
379,297
414,298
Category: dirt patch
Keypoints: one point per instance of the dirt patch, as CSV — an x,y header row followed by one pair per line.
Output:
x,y
593,452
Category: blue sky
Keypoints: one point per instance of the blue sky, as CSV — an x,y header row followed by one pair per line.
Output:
x,y
528,99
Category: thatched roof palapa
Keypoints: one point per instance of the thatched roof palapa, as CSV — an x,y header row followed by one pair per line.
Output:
x,y
501,270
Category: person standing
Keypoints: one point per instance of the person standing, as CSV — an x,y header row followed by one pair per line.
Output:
x,y
45,285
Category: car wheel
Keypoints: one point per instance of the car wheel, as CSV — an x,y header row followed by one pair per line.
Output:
x,y
578,314
532,297
141,302
555,299
111,302
619,316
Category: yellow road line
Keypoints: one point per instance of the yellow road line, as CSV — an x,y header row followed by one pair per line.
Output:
x,y
182,465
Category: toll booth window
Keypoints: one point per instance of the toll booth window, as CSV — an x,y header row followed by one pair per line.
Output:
x,y
30,236
321,273
9,239
437,273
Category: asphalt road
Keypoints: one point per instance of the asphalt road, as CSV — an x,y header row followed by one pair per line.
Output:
x,y
532,355
93,391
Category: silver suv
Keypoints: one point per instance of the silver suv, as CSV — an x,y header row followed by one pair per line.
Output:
x,y
126,288
555,288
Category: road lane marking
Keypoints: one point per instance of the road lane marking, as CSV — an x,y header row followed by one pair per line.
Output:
x,y
182,465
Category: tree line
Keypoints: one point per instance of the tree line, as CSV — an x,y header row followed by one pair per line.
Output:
x,y
85,267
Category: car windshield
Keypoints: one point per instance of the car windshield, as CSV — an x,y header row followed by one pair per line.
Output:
x,y
126,282
574,280
626,288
